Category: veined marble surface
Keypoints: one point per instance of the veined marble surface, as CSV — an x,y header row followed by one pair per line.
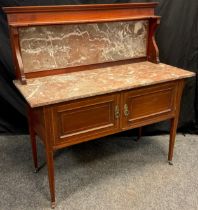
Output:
x,y
61,46
65,87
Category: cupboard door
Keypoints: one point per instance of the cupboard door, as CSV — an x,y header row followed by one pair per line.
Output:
x,y
148,105
86,119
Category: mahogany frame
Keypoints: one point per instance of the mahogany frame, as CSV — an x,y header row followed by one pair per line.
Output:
x,y
43,120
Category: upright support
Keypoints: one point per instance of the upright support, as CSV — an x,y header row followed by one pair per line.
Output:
x,y
174,121
152,48
33,139
50,166
49,152
17,55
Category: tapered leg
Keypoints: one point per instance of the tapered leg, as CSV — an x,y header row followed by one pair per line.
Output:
x,y
34,147
33,140
173,131
50,165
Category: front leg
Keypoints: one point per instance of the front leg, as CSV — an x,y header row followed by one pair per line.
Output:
x,y
34,149
33,140
50,166
174,121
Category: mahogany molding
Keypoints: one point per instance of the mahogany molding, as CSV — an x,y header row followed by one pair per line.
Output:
x,y
45,15
78,7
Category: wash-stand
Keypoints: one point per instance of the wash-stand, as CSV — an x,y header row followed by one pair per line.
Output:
x,y
88,71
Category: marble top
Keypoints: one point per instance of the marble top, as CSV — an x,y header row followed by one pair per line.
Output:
x,y
70,86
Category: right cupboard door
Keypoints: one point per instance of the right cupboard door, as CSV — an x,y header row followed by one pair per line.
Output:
x,y
148,105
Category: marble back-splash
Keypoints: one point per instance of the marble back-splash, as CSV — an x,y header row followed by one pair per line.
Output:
x,y
60,46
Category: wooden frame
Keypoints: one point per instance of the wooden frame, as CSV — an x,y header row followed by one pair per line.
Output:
x,y
113,112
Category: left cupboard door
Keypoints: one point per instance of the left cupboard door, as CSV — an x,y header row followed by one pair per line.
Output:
x,y
86,119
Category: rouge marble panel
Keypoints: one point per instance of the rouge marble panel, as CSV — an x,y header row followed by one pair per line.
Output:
x,y
64,87
61,46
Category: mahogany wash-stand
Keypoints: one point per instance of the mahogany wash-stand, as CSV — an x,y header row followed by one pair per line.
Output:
x,y
89,71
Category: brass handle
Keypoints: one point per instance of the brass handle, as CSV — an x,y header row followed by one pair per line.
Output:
x,y
117,112
126,110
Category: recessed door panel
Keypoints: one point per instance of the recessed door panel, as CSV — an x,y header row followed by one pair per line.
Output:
x,y
86,118
148,103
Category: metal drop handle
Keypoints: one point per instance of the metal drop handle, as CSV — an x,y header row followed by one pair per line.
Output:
x,y
126,110
117,112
